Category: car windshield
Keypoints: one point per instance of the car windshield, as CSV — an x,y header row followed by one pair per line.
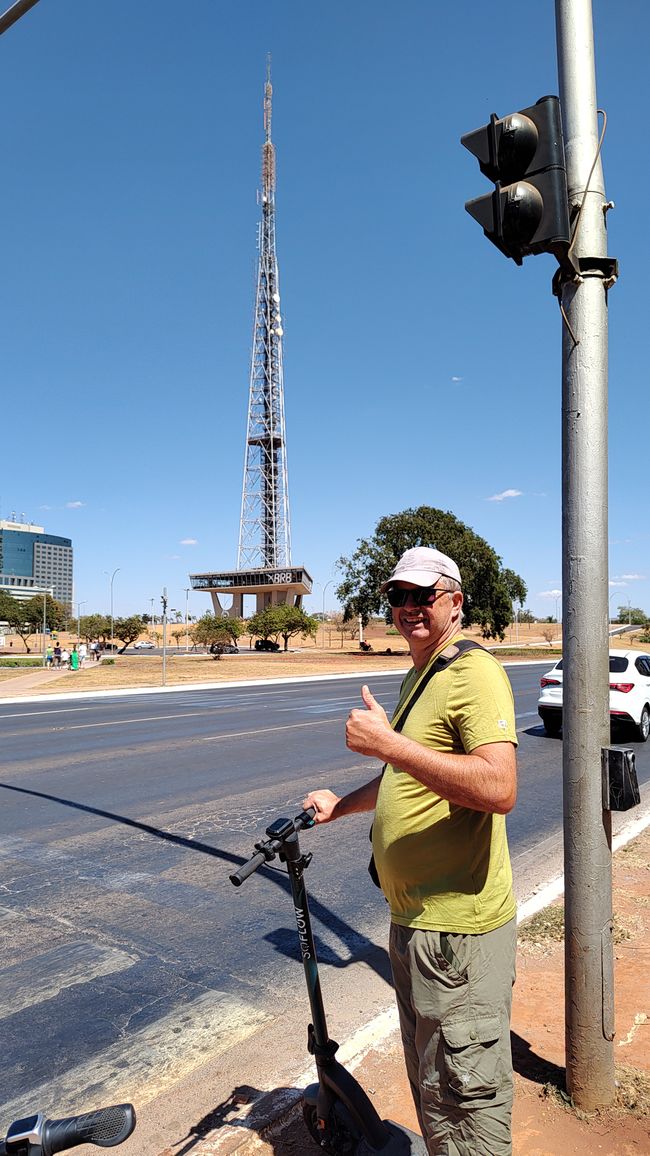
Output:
x,y
617,664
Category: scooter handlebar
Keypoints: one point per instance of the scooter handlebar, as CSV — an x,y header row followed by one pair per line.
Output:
x,y
106,1127
279,831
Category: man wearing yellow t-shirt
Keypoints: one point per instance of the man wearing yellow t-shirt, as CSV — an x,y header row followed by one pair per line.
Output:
x,y
440,849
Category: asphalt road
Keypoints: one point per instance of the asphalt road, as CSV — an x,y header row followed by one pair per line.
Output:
x,y
129,961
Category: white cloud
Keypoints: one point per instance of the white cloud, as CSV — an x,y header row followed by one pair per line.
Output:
x,y
456,379
189,542
74,505
505,494
617,582
550,594
633,577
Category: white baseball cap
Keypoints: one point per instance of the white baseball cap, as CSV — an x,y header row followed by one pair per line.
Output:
x,y
421,566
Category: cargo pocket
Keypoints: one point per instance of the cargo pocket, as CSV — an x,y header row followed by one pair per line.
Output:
x,y
472,1058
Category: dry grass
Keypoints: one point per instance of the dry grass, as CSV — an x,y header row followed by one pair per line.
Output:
x,y
140,671
632,1096
541,933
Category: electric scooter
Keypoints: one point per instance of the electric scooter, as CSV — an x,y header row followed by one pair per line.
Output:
x,y
338,1113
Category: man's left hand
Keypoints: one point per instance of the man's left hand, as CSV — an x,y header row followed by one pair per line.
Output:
x,y
366,730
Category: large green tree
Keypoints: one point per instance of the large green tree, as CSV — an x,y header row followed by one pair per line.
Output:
x,y
211,628
94,626
282,622
26,618
127,629
489,589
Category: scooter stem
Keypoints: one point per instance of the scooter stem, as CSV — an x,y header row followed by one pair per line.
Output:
x,y
296,864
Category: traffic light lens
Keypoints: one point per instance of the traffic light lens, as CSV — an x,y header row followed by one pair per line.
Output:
x,y
522,213
517,146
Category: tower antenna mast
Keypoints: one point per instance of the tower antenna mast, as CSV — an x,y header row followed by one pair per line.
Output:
x,y
264,528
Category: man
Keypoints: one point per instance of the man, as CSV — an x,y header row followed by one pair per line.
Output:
x,y
441,854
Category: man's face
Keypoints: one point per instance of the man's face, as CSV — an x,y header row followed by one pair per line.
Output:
x,y
426,625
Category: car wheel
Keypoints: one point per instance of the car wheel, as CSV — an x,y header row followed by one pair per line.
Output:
x,y
552,724
643,728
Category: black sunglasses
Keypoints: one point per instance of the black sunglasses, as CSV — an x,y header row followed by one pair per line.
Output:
x,y
423,596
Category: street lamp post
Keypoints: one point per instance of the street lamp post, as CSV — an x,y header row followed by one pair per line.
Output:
x,y
187,629
44,629
323,618
163,599
79,605
116,570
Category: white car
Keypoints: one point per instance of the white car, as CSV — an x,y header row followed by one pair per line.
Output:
x,y
629,693
143,645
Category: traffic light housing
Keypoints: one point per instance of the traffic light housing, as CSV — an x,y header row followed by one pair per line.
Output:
x,y
523,154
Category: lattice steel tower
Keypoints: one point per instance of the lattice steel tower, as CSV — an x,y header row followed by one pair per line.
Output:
x,y
264,528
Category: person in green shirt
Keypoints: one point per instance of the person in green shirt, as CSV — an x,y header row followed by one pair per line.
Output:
x,y
441,854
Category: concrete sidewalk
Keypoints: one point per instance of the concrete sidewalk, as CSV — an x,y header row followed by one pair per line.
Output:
x,y
544,1123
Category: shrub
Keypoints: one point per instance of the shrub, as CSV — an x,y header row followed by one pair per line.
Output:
x,y
11,661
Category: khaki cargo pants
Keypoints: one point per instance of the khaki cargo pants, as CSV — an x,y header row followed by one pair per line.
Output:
x,y
454,995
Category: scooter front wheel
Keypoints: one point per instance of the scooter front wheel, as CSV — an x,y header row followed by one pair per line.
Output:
x,y
340,1137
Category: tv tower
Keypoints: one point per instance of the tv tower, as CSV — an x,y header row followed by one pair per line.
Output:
x,y
264,565
264,532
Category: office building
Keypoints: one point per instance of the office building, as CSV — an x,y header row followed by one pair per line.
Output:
x,y
33,562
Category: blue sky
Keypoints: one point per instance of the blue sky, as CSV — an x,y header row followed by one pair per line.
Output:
x,y
421,366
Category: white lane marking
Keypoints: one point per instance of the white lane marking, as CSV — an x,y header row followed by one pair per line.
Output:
x,y
265,730
43,976
236,684
143,1064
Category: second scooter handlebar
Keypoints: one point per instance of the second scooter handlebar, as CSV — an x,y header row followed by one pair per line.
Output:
x,y
280,830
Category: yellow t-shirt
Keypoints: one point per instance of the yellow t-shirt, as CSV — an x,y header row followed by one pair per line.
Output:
x,y
441,866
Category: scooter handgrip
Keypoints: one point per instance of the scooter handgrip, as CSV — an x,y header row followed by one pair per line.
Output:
x,y
105,1128
238,877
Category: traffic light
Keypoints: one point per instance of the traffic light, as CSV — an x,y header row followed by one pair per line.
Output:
x,y
523,154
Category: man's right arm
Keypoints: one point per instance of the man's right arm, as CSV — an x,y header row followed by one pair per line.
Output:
x,y
329,806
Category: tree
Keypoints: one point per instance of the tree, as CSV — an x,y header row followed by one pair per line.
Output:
x,y
127,629
283,622
525,616
488,588
210,628
632,614
94,626
178,634
26,618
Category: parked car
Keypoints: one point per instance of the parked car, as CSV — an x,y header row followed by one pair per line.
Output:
x,y
223,648
629,693
144,644
266,644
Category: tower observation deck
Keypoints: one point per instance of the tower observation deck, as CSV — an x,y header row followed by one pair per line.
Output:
x,y
264,565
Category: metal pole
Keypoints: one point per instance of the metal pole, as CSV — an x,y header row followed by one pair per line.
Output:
x,y
44,629
323,624
116,570
163,600
187,630
14,13
587,828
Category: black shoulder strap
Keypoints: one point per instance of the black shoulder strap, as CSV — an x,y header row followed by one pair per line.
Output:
x,y
444,659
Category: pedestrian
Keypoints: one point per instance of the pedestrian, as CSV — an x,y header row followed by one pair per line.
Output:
x,y
94,649
65,657
83,653
57,655
49,658
74,658
441,857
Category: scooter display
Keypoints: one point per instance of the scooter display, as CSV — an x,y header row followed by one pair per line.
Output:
x,y
339,1115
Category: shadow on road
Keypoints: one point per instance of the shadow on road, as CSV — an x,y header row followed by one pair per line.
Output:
x,y
283,940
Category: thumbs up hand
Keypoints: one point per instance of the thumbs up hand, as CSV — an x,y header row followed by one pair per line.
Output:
x,y
367,729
